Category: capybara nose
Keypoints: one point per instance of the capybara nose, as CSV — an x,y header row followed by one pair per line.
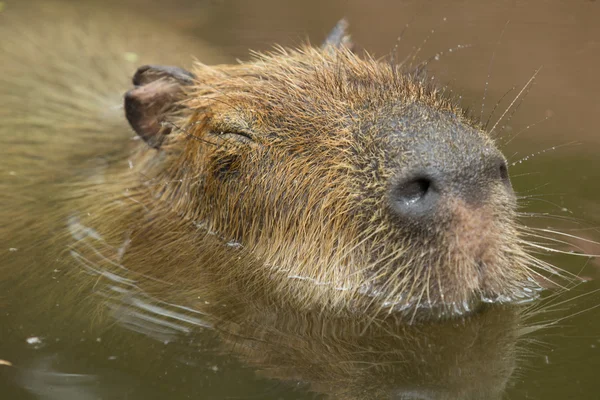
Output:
x,y
421,193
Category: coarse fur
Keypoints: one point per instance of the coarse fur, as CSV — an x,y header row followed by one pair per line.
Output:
x,y
276,182
276,179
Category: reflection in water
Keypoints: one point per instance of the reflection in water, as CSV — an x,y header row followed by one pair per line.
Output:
x,y
471,358
466,359
352,359
42,379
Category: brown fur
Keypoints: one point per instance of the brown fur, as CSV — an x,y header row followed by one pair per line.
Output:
x,y
297,214
273,183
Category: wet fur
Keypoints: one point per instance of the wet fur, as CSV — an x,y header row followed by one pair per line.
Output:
x,y
273,183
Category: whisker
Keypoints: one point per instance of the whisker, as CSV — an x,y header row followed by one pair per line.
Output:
x,y
487,81
549,216
532,189
524,174
523,90
542,152
394,51
418,50
487,122
526,128
565,234
421,67
551,250
554,240
545,278
560,320
538,196
546,201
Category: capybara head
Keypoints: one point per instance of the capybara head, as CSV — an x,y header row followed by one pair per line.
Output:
x,y
341,183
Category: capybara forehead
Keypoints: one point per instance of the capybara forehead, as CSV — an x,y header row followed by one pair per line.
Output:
x,y
311,92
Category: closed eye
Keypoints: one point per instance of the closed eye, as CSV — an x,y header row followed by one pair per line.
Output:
x,y
244,137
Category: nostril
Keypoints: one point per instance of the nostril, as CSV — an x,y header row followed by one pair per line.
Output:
x,y
416,197
504,172
411,192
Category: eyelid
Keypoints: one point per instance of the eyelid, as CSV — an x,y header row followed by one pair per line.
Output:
x,y
240,135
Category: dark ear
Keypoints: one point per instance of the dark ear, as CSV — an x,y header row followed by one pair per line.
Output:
x,y
339,36
157,92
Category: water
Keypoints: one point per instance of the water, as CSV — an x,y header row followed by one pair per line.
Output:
x,y
59,351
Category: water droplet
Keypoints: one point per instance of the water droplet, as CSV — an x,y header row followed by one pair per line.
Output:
x,y
35,342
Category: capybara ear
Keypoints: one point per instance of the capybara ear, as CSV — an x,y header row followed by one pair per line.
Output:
x,y
339,37
158,89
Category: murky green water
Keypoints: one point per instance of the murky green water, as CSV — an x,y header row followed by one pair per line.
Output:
x,y
551,351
